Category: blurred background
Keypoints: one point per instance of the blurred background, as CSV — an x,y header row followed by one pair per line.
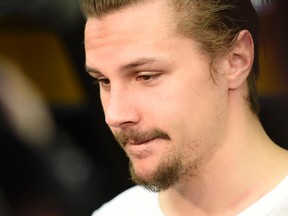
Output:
x,y
57,156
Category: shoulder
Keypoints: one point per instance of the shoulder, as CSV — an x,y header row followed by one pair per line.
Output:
x,y
134,201
282,205
273,203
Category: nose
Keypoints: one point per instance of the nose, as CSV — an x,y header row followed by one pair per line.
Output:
x,y
120,109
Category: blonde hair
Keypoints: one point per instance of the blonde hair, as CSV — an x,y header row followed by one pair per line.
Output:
x,y
214,23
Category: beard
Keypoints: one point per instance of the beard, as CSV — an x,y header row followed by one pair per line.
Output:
x,y
169,169
166,174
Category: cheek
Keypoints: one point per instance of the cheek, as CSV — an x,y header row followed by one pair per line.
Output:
x,y
103,101
193,116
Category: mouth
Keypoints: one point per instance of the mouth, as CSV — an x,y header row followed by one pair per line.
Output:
x,y
140,142
138,138
141,149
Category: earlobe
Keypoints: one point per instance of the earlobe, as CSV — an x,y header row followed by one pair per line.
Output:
x,y
241,59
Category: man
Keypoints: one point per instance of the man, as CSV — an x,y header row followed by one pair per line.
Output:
x,y
177,85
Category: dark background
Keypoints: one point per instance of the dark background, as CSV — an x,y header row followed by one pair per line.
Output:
x,y
80,166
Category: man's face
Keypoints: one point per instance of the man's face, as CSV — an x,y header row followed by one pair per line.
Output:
x,y
157,93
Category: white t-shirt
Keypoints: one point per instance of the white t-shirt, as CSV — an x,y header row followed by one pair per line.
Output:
x,y
137,201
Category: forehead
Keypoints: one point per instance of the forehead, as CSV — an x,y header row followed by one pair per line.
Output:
x,y
142,31
129,31
147,19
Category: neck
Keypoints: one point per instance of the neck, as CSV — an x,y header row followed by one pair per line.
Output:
x,y
234,177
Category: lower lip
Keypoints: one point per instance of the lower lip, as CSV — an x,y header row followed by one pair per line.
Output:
x,y
140,150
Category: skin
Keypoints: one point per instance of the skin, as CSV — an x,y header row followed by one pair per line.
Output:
x,y
153,78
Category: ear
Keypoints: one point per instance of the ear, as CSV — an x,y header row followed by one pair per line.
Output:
x,y
241,58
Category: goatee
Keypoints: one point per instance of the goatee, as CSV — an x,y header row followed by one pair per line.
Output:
x,y
168,169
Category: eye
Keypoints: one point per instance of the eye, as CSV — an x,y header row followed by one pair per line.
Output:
x,y
104,82
101,81
148,76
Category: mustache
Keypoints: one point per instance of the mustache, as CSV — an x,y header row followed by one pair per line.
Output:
x,y
138,136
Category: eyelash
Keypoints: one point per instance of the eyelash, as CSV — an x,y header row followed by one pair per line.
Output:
x,y
100,81
150,76
145,77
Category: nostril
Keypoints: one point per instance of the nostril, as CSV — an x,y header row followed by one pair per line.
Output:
x,y
121,119
120,108
126,125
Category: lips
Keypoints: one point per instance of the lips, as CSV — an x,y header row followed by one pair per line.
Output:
x,y
140,142
141,149
136,137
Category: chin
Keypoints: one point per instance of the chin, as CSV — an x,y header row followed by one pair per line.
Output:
x,y
157,176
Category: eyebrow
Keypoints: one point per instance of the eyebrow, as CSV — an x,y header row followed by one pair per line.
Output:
x,y
132,65
91,69
138,63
